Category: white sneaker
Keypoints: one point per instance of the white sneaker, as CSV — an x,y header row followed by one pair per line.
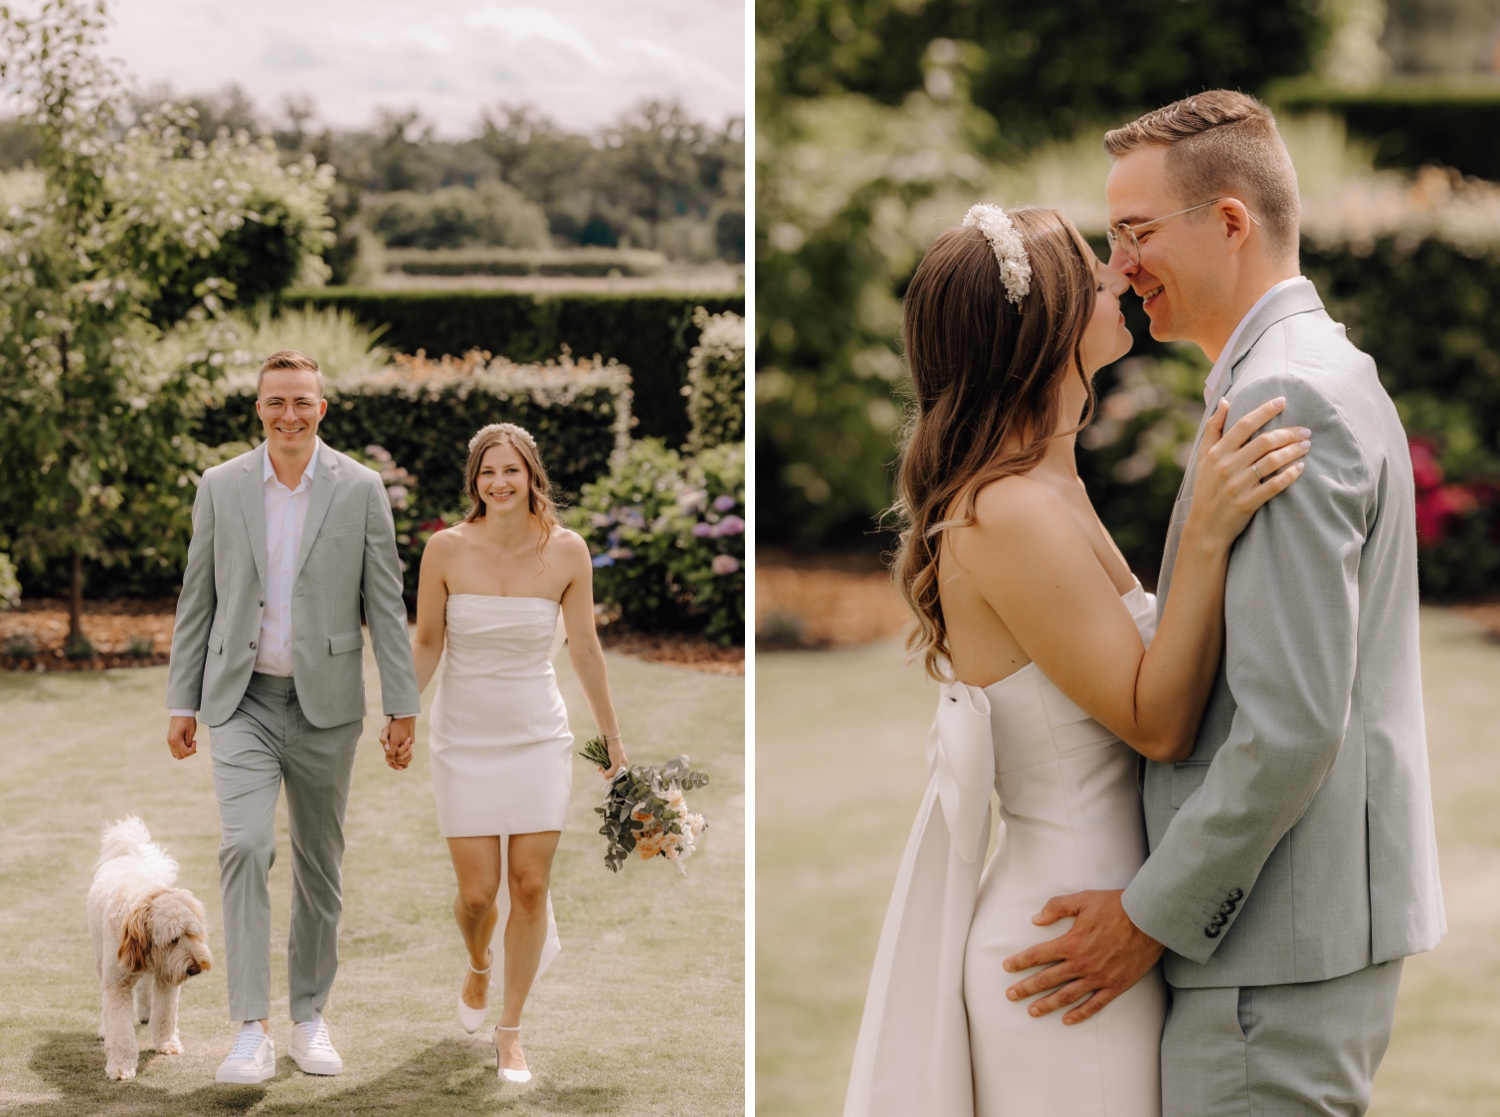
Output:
x,y
312,1050
251,1060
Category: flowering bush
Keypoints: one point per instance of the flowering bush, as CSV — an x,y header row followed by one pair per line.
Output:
x,y
10,588
668,538
716,381
1458,526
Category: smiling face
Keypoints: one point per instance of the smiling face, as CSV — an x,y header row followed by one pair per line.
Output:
x,y
1105,338
503,481
290,408
1181,275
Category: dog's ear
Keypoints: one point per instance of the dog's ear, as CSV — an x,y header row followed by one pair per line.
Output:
x,y
135,937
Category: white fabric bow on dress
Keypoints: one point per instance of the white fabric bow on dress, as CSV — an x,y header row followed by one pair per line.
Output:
x,y
913,1050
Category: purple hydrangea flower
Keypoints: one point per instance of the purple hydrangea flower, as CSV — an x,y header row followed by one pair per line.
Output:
x,y
603,560
599,519
724,503
725,564
703,531
730,525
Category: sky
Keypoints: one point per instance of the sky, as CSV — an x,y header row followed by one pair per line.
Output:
x,y
582,62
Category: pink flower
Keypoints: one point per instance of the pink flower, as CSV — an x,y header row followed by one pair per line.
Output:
x,y
1435,507
1425,470
725,564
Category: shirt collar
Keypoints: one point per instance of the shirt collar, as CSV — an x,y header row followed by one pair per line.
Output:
x,y
1221,366
268,471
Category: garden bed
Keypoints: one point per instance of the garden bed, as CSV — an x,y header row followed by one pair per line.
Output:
x,y
114,626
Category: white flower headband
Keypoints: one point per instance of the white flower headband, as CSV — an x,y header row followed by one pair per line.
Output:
x,y
1010,252
506,428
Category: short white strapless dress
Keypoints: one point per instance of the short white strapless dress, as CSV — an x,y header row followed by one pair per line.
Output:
x,y
939,1037
501,749
499,740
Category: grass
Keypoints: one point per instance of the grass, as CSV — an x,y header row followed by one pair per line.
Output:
x,y
851,725
643,1013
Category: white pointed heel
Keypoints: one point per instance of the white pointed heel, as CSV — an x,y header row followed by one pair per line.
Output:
x,y
506,1074
472,1018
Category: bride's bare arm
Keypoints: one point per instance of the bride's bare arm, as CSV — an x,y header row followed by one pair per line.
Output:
x,y
1033,564
584,651
432,608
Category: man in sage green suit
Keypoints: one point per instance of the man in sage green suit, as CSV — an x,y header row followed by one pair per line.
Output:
x,y
1293,858
289,541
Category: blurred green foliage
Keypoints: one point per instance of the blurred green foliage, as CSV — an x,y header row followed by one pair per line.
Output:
x,y
492,213
856,175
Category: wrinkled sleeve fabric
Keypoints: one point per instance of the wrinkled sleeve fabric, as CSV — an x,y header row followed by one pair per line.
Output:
x,y
195,609
385,610
1291,607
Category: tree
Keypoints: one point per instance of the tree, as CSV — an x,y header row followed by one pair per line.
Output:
x,y
97,438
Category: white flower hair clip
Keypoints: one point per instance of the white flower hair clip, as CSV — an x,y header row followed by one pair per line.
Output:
x,y
503,428
1010,252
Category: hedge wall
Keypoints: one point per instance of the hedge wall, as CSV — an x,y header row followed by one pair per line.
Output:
x,y
1412,123
483,260
652,334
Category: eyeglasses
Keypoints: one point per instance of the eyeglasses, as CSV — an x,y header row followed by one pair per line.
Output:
x,y
1127,237
301,406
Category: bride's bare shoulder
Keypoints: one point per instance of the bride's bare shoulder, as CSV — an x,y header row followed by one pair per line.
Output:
x,y
1016,502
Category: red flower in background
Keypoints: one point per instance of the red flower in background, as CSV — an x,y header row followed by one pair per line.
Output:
x,y
1438,503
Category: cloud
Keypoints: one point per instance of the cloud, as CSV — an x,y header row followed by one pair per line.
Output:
x,y
582,62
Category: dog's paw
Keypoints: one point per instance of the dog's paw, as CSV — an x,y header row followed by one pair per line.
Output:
x,y
172,1046
119,1071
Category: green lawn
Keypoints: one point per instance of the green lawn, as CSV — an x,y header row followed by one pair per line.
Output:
x,y
839,747
642,1014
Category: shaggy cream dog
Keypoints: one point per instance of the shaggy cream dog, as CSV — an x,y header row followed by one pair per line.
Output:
x,y
142,926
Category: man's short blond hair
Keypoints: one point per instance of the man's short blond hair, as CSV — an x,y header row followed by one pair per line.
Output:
x,y
289,360
1223,144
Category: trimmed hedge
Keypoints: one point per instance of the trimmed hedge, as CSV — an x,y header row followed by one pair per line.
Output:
x,y
524,261
652,334
1412,123
578,414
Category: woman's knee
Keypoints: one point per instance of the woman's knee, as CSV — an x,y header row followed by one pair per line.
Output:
x,y
528,888
475,898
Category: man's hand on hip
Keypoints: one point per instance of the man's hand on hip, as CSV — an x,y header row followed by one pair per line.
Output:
x,y
397,739
182,737
1102,955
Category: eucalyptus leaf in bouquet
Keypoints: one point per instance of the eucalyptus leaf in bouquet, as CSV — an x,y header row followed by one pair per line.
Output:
x,y
645,811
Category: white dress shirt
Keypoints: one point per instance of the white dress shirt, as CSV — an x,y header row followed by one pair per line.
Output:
x,y
286,515
1221,366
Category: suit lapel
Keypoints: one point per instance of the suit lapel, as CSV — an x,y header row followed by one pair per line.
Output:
x,y
1299,298
253,504
325,480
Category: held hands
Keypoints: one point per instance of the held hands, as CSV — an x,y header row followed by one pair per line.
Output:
x,y
1236,474
1100,957
182,737
397,738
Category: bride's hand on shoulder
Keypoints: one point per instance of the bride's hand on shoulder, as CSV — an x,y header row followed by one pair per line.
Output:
x,y
1236,473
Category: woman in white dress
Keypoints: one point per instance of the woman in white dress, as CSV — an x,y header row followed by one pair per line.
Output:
x,y
491,591
1054,669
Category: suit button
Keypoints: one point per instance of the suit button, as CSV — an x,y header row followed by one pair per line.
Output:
x,y
1227,907
262,604
1211,932
252,645
1236,895
1219,919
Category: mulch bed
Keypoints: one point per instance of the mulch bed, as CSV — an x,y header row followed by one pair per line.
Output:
x,y
139,634
824,601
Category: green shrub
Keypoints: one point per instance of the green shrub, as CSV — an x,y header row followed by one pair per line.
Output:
x,y
716,381
424,413
1411,123
652,334
492,213
667,535
524,261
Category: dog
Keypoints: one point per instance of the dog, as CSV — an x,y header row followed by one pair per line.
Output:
x,y
142,927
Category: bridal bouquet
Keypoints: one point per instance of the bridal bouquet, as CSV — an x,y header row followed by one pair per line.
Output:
x,y
644,809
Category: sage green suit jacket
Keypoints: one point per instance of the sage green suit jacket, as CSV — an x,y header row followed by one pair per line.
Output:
x,y
347,558
1296,843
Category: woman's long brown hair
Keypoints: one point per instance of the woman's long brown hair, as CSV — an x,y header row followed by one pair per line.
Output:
x,y
986,375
